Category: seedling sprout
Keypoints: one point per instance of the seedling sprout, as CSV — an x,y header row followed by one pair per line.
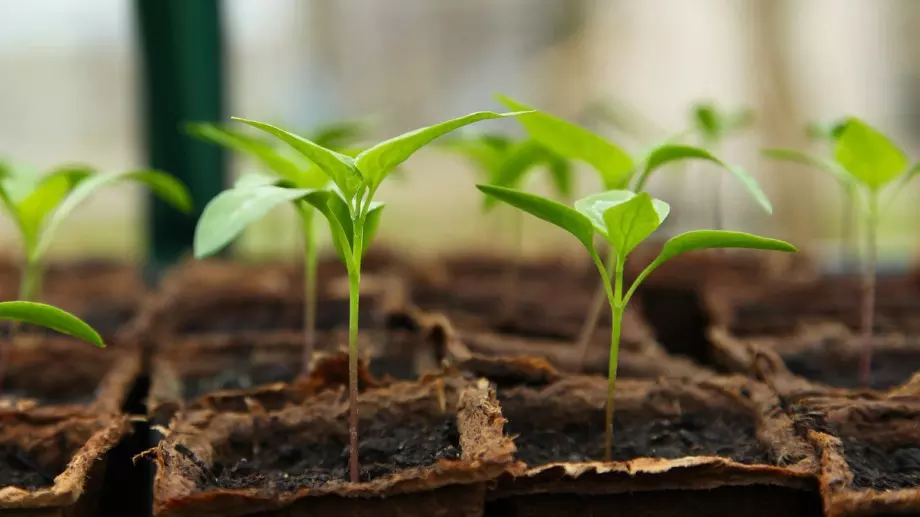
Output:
x,y
624,219
348,207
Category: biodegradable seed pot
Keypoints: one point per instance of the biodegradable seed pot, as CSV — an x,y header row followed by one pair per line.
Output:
x,y
54,465
427,448
714,446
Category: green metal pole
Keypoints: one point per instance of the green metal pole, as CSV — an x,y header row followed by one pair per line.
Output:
x,y
182,81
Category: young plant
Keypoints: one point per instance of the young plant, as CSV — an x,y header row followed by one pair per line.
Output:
x,y
348,207
828,134
869,161
39,205
618,170
45,316
624,219
287,166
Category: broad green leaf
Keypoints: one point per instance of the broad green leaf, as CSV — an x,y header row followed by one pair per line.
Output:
x,y
251,146
868,155
339,167
577,143
516,162
596,205
560,174
50,317
670,153
163,185
558,214
231,211
48,194
486,152
829,166
705,239
371,224
632,221
378,161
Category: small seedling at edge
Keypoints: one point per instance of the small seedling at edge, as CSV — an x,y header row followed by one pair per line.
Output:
x,y
348,207
39,205
618,170
867,161
291,168
624,219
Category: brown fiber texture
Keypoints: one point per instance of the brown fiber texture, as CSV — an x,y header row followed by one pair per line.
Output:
x,y
842,429
72,447
448,487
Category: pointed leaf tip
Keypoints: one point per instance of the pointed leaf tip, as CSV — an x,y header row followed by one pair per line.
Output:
x,y
50,317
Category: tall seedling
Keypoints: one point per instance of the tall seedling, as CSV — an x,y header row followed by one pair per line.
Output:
x,y
290,167
39,205
624,219
869,161
348,207
506,162
618,170
828,134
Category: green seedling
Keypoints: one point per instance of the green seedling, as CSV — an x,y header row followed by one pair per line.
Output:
x,y
348,206
866,161
828,134
506,162
283,164
714,126
624,219
617,170
45,316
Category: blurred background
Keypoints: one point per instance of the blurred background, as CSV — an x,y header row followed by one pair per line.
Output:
x,y
74,75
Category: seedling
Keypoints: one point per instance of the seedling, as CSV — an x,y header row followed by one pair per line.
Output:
x,y
714,126
45,316
506,162
618,170
348,207
624,219
828,134
39,205
291,168
866,161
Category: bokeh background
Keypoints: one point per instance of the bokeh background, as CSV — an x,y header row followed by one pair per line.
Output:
x,y
72,86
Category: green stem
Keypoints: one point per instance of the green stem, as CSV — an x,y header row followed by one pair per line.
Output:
x,y
616,307
354,292
309,273
29,288
868,294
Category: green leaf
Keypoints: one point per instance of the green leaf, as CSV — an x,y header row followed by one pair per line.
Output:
x,y
231,211
251,146
339,167
577,143
371,224
829,166
670,153
869,156
705,239
47,195
50,317
826,131
339,135
707,121
163,185
558,214
560,175
596,206
378,161
632,221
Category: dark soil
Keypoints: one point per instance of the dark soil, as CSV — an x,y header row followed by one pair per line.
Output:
x,y
882,469
244,377
703,433
889,368
679,321
227,317
19,469
284,462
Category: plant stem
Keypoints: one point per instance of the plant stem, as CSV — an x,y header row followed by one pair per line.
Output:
x,y
309,274
29,288
354,294
868,294
719,209
593,315
849,237
616,307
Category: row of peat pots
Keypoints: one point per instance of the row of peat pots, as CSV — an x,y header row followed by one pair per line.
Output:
x,y
739,394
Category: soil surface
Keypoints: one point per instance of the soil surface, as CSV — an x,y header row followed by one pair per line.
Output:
x,y
262,316
285,462
244,377
882,469
889,368
705,433
17,468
